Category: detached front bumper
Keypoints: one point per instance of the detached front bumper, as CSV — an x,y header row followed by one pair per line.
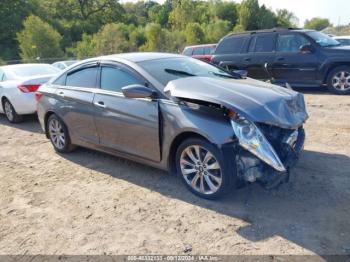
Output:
x,y
288,144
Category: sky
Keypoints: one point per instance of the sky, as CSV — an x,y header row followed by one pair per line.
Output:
x,y
337,11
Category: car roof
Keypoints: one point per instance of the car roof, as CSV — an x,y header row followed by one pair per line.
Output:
x,y
140,56
342,37
206,45
270,31
9,67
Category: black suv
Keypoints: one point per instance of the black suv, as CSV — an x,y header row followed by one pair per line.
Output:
x,y
299,57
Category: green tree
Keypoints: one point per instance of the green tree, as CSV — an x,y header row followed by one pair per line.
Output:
x,y
137,37
155,38
174,41
286,18
317,23
248,12
39,39
266,18
12,13
226,11
182,14
194,33
111,39
84,48
216,30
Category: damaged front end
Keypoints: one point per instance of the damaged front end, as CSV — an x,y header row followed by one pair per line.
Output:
x,y
267,121
266,152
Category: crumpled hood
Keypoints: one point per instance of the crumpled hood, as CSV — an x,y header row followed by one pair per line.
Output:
x,y
255,100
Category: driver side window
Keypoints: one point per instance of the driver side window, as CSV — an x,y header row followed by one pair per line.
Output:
x,y
114,79
291,43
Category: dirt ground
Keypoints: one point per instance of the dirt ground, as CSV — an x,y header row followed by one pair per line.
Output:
x,y
92,203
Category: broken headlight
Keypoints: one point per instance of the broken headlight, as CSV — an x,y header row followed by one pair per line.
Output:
x,y
253,140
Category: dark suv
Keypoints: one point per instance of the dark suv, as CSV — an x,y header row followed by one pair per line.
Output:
x,y
299,57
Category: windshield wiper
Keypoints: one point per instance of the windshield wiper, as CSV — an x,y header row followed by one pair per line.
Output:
x,y
223,75
177,72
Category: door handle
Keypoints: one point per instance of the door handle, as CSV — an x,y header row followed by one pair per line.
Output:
x,y
60,94
247,59
280,58
100,104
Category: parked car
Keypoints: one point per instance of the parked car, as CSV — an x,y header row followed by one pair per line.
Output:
x,y
64,64
18,84
177,113
299,57
201,52
343,40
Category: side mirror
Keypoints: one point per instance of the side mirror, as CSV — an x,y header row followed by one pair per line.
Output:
x,y
138,91
306,49
241,73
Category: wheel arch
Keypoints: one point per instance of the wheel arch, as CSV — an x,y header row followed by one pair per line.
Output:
x,y
46,118
176,143
331,67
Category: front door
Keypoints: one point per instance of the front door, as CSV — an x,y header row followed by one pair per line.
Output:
x,y
128,125
290,64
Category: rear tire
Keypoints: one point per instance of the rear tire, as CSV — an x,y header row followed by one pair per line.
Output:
x,y
338,80
59,135
202,168
10,112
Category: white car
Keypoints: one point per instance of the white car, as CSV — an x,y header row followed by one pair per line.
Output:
x,y
343,40
64,64
18,84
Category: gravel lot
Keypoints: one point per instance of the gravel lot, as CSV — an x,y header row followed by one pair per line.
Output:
x,y
92,203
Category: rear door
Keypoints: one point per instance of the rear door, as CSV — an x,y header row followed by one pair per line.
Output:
x,y
75,102
261,50
198,52
230,52
291,65
125,124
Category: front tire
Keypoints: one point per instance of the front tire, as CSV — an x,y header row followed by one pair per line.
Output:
x,y
10,112
58,134
202,168
338,81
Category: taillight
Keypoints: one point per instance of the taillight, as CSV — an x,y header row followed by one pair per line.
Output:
x,y
38,95
211,58
28,88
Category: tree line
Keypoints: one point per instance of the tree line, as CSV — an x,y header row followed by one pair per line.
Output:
x,y
32,29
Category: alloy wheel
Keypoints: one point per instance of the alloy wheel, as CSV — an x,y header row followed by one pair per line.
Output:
x,y
8,110
341,81
57,134
200,169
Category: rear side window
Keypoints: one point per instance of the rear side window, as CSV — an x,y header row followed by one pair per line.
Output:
x,y
262,43
209,50
291,42
187,51
231,45
114,79
198,51
61,81
83,78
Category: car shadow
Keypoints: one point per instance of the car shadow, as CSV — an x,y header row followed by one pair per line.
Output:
x,y
30,123
312,210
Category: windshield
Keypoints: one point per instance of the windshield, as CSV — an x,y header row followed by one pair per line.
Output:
x,y
32,70
323,39
166,70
